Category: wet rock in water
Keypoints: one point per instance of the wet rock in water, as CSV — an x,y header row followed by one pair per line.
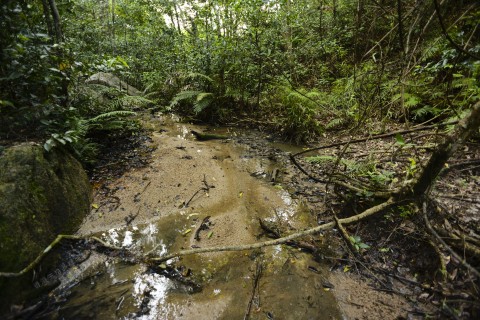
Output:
x,y
41,195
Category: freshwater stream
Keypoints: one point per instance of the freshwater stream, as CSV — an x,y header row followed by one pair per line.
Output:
x,y
158,209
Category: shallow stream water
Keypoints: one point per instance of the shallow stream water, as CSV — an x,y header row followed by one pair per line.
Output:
x,y
157,210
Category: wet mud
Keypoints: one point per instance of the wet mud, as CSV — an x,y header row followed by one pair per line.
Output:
x,y
160,208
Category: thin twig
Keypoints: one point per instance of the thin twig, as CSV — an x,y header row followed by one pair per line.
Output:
x,y
256,278
445,33
452,252
190,200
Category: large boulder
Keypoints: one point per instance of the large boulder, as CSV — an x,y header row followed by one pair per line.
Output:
x,y
111,80
41,195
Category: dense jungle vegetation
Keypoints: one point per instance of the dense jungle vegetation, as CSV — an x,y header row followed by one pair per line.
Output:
x,y
295,67
300,70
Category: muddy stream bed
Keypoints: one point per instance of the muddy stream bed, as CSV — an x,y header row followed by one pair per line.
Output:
x,y
228,186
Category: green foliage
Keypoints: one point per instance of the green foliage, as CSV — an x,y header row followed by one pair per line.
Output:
x,y
219,60
76,138
94,99
407,211
297,111
403,211
357,169
357,243
206,105
33,83
191,96
444,82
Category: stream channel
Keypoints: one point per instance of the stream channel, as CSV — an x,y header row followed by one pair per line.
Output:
x,y
159,208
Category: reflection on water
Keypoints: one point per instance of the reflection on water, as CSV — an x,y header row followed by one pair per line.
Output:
x,y
128,240
183,132
118,290
149,292
109,289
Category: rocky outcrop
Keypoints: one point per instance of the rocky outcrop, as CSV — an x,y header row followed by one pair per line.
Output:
x,y
41,195
111,80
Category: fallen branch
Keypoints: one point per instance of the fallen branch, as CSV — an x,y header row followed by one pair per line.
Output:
x,y
275,234
379,136
358,217
252,246
57,240
346,238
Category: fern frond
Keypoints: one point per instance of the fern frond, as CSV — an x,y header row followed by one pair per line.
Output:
x,y
204,95
195,75
335,123
200,105
110,115
184,95
426,110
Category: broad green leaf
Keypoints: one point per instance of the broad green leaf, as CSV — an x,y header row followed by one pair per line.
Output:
x,y
399,139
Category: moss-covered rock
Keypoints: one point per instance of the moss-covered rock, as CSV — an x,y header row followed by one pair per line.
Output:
x,y
41,195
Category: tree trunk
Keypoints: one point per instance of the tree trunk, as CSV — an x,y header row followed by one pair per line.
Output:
x,y
48,18
463,130
56,20
112,30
